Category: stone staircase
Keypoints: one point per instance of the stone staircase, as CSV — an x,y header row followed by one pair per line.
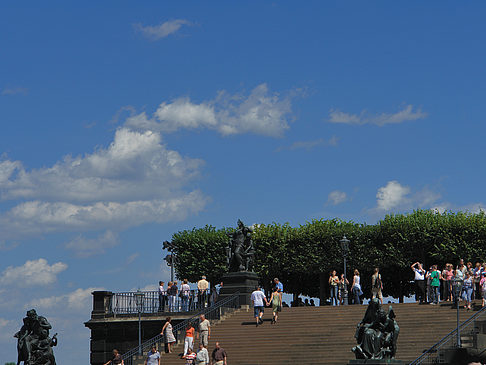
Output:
x,y
322,335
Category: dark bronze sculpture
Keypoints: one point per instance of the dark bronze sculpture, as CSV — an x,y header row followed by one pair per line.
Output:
x,y
377,333
34,346
240,250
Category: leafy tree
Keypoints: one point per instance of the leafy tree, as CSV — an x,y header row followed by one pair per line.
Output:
x,y
303,256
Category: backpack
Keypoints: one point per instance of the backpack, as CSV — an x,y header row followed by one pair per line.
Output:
x,y
377,282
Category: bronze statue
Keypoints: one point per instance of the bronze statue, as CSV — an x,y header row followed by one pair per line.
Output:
x,y
34,346
240,250
377,333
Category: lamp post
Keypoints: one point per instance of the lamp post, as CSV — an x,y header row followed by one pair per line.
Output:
x,y
166,245
457,286
139,300
345,250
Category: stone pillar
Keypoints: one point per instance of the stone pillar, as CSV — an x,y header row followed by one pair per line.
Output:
x,y
243,282
101,304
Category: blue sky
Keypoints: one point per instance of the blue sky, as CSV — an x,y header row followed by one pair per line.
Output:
x,y
123,122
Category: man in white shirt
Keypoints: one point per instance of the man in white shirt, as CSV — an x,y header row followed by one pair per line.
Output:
x,y
202,292
202,357
257,297
419,282
162,297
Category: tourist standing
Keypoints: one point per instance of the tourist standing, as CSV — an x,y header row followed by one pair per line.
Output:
x,y
169,338
153,357
458,276
419,279
189,338
467,289
276,301
434,276
447,276
172,295
257,297
333,283
482,284
279,286
343,289
185,291
204,332
161,297
202,292
219,355
478,270
202,357
377,285
356,288
116,360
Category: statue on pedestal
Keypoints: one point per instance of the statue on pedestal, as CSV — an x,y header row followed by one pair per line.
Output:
x,y
34,346
240,249
377,333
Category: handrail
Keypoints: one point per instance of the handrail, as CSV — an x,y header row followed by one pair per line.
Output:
x,y
444,339
233,300
154,302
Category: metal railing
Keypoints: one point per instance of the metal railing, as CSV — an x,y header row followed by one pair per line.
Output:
x,y
153,302
213,313
467,329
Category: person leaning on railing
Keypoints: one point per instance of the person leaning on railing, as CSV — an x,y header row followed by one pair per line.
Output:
x,y
202,289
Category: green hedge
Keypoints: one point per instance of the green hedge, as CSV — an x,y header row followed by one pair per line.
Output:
x,y
300,256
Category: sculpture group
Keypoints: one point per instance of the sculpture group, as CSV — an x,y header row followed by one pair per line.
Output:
x,y
240,250
34,346
377,333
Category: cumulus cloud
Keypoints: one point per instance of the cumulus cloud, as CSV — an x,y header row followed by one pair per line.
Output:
x,y
406,114
134,181
395,196
391,195
80,299
86,247
337,197
32,273
261,112
156,32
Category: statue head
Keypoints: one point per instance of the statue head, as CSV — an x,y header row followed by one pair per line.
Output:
x,y
32,314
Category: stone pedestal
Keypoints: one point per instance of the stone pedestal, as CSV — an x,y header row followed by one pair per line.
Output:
x,y
243,282
375,362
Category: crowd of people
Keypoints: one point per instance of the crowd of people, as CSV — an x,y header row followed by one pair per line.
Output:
x,y
190,355
434,285
174,298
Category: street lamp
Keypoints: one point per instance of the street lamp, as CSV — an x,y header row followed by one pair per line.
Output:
x,y
345,250
139,300
457,287
166,245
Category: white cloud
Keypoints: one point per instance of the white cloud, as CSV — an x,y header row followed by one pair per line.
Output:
x,y
32,273
395,196
337,197
406,114
261,112
132,258
15,91
134,181
163,30
392,195
86,247
78,300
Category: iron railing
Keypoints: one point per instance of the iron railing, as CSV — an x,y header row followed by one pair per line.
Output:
x,y
153,302
213,313
467,331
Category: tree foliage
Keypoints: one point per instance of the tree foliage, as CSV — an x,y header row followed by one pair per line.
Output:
x,y
300,255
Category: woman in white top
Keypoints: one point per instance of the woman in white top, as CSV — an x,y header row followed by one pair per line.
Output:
x,y
356,288
185,291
